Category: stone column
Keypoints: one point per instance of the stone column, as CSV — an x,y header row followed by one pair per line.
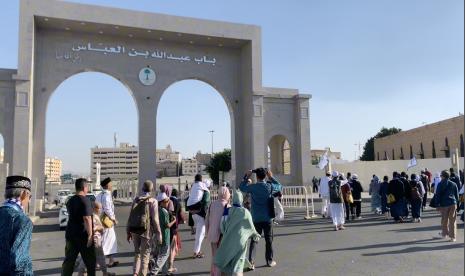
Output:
x,y
147,141
302,142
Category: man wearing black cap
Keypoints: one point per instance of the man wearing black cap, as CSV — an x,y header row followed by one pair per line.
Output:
x,y
15,228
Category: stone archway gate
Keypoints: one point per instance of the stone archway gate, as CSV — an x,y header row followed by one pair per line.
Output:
x,y
146,52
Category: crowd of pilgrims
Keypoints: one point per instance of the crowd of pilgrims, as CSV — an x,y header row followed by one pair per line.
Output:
x,y
231,226
403,197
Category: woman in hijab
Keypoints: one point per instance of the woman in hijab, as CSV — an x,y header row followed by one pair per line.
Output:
x,y
375,186
213,222
237,228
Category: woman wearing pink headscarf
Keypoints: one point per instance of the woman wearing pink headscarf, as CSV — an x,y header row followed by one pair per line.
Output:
x,y
213,222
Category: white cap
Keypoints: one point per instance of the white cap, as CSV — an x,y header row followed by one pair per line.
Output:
x,y
335,174
161,196
354,176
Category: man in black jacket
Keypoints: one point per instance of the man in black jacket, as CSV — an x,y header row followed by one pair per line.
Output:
x,y
357,190
407,192
396,188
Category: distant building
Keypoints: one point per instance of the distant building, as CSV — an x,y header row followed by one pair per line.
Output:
x,y
190,166
316,155
168,154
436,140
52,170
168,168
117,163
68,178
203,158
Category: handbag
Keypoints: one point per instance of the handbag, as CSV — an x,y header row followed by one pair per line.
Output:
x,y
350,198
271,209
391,199
433,203
106,221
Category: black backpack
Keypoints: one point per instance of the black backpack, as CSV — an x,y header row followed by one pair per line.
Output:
x,y
415,191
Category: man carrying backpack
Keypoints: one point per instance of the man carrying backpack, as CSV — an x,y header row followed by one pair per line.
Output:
x,y
143,225
416,197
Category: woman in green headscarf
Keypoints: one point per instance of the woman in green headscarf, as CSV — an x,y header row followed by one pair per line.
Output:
x,y
237,228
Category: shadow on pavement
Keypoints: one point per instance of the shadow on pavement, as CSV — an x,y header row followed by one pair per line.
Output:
x,y
46,228
417,249
381,245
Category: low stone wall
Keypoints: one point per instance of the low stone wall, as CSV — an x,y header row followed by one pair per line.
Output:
x,y
366,169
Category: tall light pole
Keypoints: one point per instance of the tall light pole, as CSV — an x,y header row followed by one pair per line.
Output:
x,y
359,149
212,131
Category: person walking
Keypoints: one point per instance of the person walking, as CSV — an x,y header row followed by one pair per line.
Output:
x,y
396,198
97,236
407,192
373,191
315,184
446,199
79,232
336,202
109,240
237,228
262,214
347,196
213,223
357,191
383,192
163,249
416,198
143,228
436,180
324,193
16,228
175,238
197,205
425,181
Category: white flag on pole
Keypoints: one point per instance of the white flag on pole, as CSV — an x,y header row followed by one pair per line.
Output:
x,y
412,163
323,161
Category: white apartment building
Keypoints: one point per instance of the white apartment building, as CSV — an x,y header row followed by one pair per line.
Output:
x,y
117,163
190,166
52,170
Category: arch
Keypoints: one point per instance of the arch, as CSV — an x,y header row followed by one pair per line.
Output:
x,y
422,152
280,154
76,81
462,146
434,150
377,155
411,152
114,75
402,153
393,155
200,108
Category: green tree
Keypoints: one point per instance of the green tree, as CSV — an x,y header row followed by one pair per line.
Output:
x,y
369,148
220,162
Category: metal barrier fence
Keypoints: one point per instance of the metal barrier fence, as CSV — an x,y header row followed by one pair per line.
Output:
x,y
293,197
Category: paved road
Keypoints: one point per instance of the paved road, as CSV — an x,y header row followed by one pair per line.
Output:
x,y
370,246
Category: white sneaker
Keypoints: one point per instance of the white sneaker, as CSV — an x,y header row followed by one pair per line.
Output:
x,y
453,240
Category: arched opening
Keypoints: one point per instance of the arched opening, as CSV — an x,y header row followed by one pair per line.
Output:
x,y
402,157
280,155
377,154
434,150
393,155
194,124
91,118
446,147
422,152
411,152
462,146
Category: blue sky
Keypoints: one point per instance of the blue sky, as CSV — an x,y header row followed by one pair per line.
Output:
x,y
367,64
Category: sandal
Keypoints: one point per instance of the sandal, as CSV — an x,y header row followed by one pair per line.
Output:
x,y
199,255
172,270
114,264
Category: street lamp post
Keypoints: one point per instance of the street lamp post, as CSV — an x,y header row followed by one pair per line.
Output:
x,y
212,132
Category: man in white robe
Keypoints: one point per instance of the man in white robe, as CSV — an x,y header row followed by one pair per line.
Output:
x,y
109,241
324,192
